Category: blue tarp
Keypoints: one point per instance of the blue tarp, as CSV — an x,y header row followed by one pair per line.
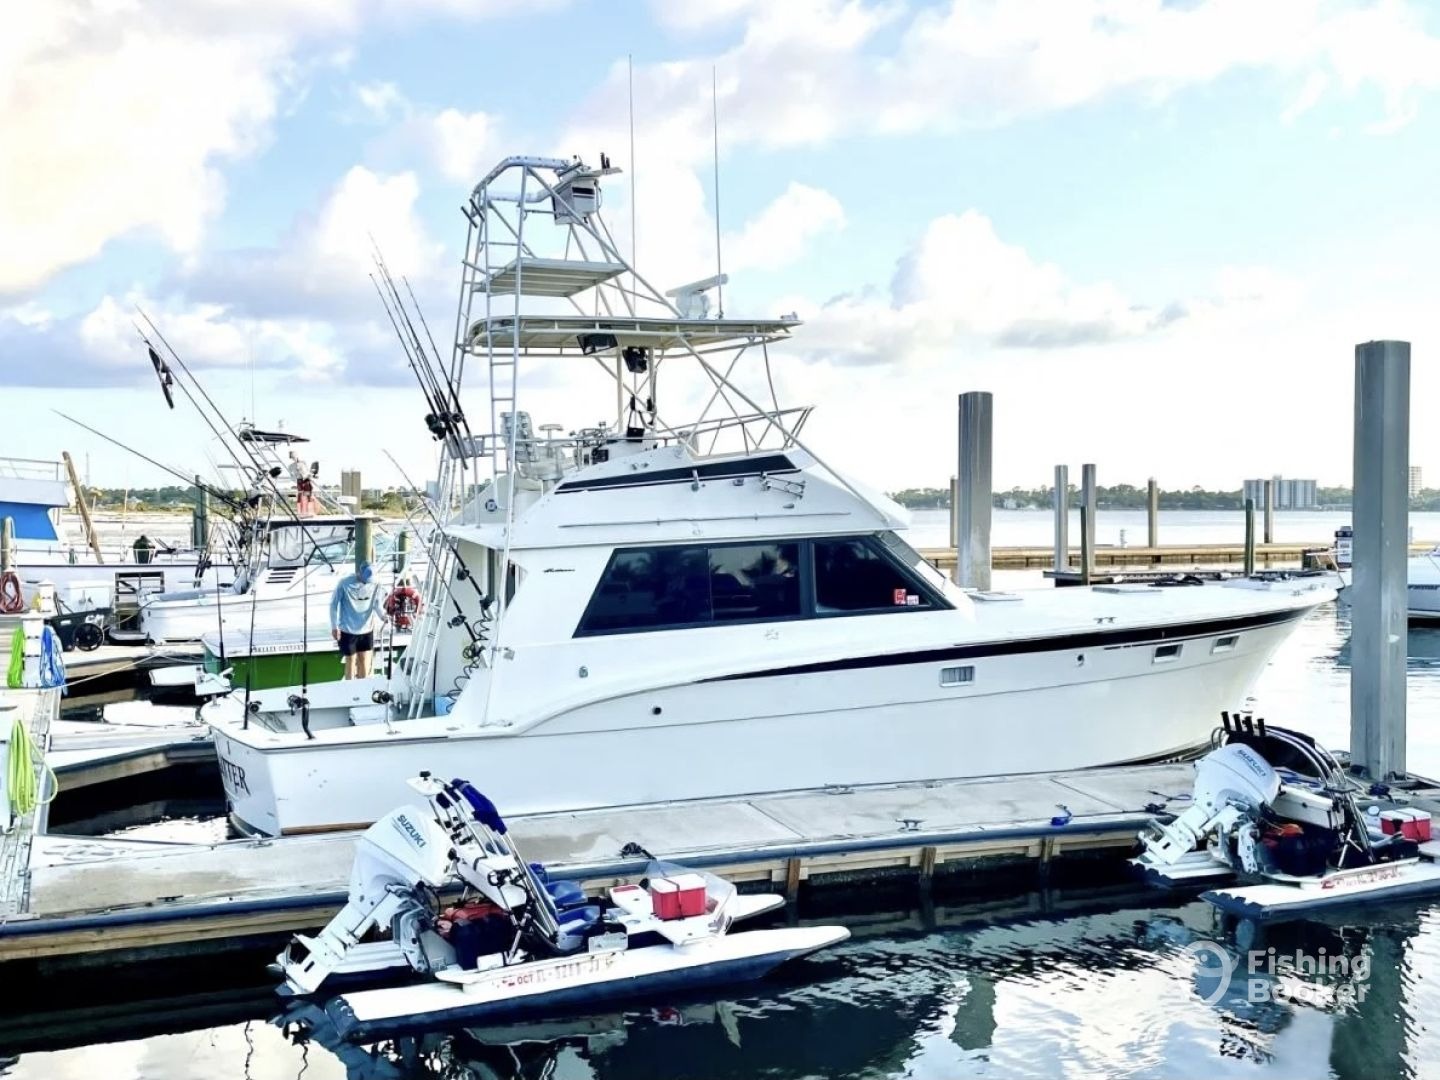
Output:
x,y
31,522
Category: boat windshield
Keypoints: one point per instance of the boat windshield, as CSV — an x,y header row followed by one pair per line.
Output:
x,y
295,545
910,557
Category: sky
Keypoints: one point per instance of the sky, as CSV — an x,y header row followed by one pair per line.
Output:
x,y
1155,231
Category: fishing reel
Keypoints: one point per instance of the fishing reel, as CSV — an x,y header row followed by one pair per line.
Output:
x,y
442,425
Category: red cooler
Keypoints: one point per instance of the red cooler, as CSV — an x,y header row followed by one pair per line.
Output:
x,y
665,896
1409,822
692,894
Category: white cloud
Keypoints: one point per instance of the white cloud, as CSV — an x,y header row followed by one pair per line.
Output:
x,y
781,232
102,346
321,267
962,286
363,211
380,100
115,120
813,70
120,116
461,143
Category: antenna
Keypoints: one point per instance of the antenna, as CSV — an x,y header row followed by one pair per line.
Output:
x,y
634,188
715,132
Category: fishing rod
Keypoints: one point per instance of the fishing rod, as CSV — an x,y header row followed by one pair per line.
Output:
x,y
238,505
435,418
302,700
446,417
168,381
435,396
450,383
261,473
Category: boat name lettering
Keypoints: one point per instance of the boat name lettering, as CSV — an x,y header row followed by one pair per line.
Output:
x,y
232,776
1365,877
408,829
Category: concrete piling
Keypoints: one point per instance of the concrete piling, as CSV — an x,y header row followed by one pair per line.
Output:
x,y
954,511
1249,537
1062,518
976,496
1152,514
200,520
364,541
1087,520
1269,511
1378,616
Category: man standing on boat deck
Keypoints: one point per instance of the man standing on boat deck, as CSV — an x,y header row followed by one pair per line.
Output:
x,y
354,610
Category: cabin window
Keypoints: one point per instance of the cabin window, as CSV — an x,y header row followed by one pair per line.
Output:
x,y
755,581
1166,653
1226,643
667,587
852,576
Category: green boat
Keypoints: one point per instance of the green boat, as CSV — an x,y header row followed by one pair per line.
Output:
x,y
283,658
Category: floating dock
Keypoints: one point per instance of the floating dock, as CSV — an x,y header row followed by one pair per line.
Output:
x,y
88,900
128,898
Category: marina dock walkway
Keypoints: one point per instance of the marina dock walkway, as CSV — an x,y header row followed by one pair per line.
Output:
x,y
36,711
90,896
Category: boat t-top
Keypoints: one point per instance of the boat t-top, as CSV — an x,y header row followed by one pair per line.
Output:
x,y
294,542
681,600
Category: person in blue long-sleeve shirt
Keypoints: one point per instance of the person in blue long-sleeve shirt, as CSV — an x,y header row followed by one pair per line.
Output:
x,y
355,607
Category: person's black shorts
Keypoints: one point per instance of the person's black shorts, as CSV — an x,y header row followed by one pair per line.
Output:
x,y
350,644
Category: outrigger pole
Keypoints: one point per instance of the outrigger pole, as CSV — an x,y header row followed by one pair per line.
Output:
x,y
225,497
302,700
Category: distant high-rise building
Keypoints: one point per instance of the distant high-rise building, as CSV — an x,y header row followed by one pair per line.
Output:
x,y
1289,494
350,484
1417,482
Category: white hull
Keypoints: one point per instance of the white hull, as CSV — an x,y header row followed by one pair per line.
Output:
x,y
191,619
1368,884
1422,591
577,982
1027,711
66,575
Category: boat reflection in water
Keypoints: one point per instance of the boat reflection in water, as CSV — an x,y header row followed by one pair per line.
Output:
x,y
1033,985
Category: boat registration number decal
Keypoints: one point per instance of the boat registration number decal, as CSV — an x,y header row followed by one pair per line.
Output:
x,y
232,776
560,971
1364,877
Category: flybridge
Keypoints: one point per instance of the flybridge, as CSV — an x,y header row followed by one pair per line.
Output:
x,y
544,278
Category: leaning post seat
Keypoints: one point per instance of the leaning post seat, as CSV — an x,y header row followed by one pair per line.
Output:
x,y
564,894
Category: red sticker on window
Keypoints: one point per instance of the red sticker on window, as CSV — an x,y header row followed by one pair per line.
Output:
x,y
900,597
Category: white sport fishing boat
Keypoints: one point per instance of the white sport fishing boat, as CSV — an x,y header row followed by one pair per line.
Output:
x,y
288,561
1422,585
91,561
286,583
1276,811
515,944
666,610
